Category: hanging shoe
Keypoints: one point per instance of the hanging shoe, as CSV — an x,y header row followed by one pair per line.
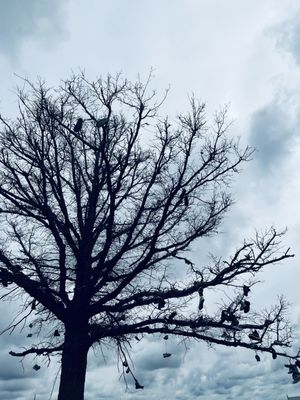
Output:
x,y
274,354
172,315
254,335
201,303
101,122
78,126
161,303
246,290
292,369
246,306
296,377
33,304
235,323
224,315
137,384
231,317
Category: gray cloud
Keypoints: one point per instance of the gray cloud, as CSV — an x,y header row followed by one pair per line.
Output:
x,y
287,36
18,379
234,374
152,358
20,20
273,129
12,369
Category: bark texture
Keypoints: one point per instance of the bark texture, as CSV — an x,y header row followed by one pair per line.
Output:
x,y
73,366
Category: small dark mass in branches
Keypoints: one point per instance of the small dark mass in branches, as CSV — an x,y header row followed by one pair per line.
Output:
x,y
78,125
95,220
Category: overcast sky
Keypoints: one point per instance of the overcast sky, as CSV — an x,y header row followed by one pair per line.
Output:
x,y
237,52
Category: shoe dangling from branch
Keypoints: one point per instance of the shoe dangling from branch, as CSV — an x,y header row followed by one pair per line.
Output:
x,y
101,122
78,126
137,384
246,290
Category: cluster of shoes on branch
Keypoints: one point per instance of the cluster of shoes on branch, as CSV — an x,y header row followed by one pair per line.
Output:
x,y
229,316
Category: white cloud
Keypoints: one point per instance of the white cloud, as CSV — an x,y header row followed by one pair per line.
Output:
x,y
22,20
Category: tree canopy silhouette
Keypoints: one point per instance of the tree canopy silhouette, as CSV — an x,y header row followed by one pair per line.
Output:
x,y
99,196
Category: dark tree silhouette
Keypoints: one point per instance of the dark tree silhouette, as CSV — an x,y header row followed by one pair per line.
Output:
x,y
99,196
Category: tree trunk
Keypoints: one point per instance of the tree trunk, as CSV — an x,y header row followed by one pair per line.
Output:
x,y
73,365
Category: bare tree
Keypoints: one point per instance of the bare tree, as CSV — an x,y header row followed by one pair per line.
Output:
x,y
99,196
